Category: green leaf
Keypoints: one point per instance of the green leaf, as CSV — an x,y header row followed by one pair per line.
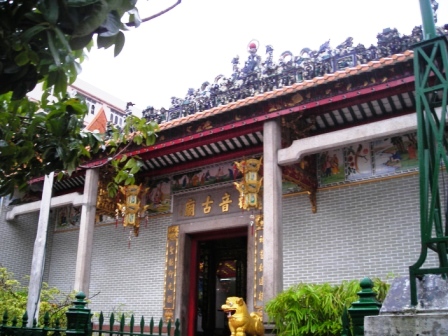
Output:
x,y
22,58
53,49
120,177
97,15
119,43
112,189
60,86
17,45
33,56
51,10
134,17
111,25
80,3
60,176
78,43
105,41
130,180
134,170
49,82
63,39
35,17
150,140
138,139
130,164
34,30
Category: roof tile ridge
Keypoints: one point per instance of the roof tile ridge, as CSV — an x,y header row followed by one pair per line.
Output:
x,y
374,64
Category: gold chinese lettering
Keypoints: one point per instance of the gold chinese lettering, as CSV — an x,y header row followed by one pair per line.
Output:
x,y
225,202
207,205
169,314
170,274
260,239
260,268
169,299
189,208
170,286
260,295
171,249
171,262
260,281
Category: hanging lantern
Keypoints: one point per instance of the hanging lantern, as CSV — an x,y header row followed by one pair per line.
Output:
x,y
131,210
250,185
105,205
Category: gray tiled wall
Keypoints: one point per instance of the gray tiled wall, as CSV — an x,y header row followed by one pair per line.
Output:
x,y
17,239
360,230
369,229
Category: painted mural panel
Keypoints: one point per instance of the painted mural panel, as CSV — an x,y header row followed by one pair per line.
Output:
x,y
67,217
205,177
289,187
158,197
331,166
395,154
391,155
358,161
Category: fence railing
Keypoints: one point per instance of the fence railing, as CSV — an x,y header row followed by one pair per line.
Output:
x,y
367,305
130,330
79,323
15,330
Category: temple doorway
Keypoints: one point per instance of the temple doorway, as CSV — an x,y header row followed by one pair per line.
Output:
x,y
220,271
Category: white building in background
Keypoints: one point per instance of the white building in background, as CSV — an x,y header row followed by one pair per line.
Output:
x,y
114,108
97,100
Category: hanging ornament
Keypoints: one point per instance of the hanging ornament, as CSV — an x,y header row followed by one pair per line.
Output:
x,y
250,185
131,210
105,205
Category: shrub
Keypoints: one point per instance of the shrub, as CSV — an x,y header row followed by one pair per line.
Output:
x,y
315,309
14,296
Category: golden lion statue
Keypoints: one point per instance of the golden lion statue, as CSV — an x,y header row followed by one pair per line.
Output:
x,y
241,323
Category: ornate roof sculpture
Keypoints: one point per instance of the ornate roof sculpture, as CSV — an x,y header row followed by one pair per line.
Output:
x,y
257,76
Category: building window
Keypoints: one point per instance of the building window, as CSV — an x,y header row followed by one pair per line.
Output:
x,y
92,109
116,120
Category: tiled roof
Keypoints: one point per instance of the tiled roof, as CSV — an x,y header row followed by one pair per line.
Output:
x,y
361,68
241,138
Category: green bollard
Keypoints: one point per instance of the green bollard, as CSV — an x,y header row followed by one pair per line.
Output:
x,y
78,317
367,305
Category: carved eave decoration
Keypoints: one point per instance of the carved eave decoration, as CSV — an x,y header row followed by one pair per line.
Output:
x,y
303,173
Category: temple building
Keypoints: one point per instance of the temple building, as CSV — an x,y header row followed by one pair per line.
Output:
x,y
303,169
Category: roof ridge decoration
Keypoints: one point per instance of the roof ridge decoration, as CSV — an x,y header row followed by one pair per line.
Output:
x,y
258,77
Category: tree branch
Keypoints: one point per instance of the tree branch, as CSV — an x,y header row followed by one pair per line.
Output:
x,y
162,12
149,18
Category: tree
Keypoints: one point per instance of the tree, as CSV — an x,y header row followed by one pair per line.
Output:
x,y
13,298
44,41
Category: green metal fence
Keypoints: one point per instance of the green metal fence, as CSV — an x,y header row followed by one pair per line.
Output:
x,y
14,329
122,329
79,323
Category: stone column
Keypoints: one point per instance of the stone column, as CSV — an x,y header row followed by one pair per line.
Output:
x,y
272,210
38,261
85,241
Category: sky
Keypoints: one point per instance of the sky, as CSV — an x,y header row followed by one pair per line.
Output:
x,y
197,40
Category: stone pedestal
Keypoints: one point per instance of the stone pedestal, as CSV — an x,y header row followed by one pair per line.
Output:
x,y
398,317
